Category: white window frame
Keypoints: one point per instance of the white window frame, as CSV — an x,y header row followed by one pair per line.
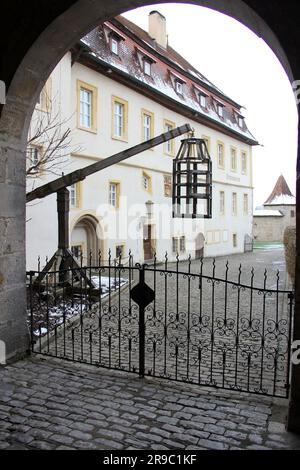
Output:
x,y
234,204
244,162
147,125
119,110
179,87
113,194
147,67
73,196
220,109
85,115
202,100
222,202
114,45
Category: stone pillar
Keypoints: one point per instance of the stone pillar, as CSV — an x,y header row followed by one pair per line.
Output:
x,y
14,332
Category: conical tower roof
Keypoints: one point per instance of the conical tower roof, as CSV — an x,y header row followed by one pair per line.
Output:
x,y
281,194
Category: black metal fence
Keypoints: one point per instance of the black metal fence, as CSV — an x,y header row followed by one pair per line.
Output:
x,y
179,321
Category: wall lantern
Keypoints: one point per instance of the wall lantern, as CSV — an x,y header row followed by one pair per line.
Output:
x,y
192,180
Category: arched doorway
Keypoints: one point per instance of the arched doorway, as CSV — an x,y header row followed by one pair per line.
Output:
x,y
85,242
31,65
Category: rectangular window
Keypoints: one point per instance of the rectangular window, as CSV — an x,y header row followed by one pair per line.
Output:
x,y
76,251
292,214
147,125
175,245
87,106
220,150
168,185
182,244
244,163
120,251
234,240
114,45
179,87
119,118
146,182
222,202
202,100
234,204
246,204
147,67
220,110
233,161
34,156
114,194
75,195
169,146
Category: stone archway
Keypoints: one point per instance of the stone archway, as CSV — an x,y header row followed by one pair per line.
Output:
x,y
32,59
85,240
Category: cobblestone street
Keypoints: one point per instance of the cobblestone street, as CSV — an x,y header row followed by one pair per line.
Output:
x,y
54,404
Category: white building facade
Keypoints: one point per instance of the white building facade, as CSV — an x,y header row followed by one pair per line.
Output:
x,y
118,87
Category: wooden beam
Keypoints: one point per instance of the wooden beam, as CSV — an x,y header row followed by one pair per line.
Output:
x,y
81,174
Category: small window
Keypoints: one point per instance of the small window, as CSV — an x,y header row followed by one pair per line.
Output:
x,y
179,87
120,251
222,202
147,67
85,108
244,163
220,155
120,112
76,251
292,214
169,146
220,110
167,185
246,204
234,204
234,240
233,160
202,100
182,244
146,182
114,193
34,156
241,121
114,46
175,245
74,195
147,125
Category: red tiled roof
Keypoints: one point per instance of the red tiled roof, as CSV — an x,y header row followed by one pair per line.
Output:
x,y
279,192
167,66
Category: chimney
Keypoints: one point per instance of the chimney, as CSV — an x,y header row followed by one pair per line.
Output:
x,y
157,28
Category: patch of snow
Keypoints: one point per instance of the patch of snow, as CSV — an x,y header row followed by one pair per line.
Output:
x,y
267,213
282,200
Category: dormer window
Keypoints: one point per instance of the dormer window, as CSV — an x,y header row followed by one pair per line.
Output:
x,y
220,109
114,45
179,87
147,67
203,100
241,121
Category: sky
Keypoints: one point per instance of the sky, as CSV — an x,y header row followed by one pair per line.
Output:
x,y
244,67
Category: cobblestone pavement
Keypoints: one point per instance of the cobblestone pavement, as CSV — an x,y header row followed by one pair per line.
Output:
x,y
54,404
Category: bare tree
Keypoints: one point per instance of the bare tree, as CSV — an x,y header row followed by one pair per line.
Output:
x,y
49,143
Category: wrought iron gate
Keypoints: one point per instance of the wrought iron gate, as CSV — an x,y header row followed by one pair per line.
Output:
x,y
168,322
